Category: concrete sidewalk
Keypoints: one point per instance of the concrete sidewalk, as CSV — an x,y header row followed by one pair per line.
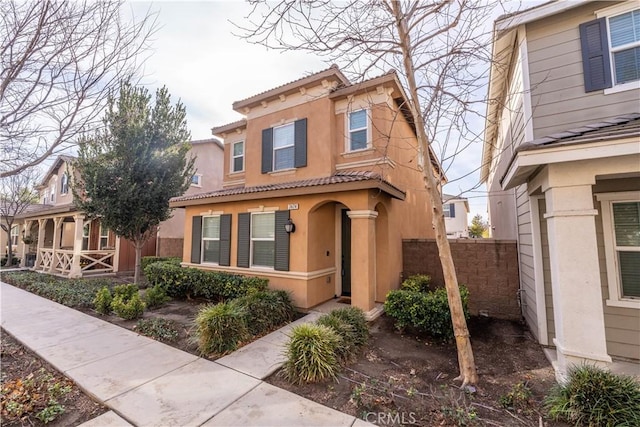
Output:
x,y
147,383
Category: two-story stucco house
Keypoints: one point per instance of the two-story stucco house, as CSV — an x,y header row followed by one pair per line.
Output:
x,y
456,216
321,183
561,160
208,166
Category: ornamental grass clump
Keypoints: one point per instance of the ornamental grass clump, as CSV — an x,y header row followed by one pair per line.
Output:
x,y
311,354
266,310
346,331
356,318
221,328
595,397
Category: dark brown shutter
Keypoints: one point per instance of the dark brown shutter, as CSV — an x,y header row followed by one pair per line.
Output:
x,y
282,242
300,147
225,239
244,236
452,210
267,150
596,63
196,239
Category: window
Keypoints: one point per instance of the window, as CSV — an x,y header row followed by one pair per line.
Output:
x,y
45,198
196,180
15,232
624,40
621,226
211,239
237,157
85,236
446,208
283,147
358,130
64,184
53,192
263,239
104,237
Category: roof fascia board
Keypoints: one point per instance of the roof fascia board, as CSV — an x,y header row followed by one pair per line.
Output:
x,y
536,13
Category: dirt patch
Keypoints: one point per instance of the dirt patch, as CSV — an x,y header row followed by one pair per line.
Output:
x,y
401,379
21,368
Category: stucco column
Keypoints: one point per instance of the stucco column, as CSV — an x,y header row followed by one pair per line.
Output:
x,y
41,230
57,223
575,278
363,258
76,269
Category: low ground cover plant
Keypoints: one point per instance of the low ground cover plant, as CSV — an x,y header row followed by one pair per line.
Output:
x,y
594,397
158,328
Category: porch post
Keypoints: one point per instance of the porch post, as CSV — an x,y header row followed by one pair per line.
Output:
x,y
25,227
575,277
363,258
76,269
41,230
57,222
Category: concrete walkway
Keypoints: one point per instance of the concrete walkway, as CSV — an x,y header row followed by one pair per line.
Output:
x,y
147,383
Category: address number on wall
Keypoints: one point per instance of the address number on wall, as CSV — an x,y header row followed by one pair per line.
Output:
x,y
292,206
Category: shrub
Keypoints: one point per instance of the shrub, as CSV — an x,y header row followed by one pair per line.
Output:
x,y
102,301
155,297
517,398
266,310
127,309
346,332
311,354
178,282
146,260
220,328
594,397
417,283
426,312
354,317
14,261
158,328
125,291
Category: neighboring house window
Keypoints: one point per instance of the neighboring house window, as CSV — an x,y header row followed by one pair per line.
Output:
x,y
45,199
237,157
15,232
211,239
196,180
85,236
621,225
358,130
64,184
104,237
283,147
53,192
624,37
263,239
449,210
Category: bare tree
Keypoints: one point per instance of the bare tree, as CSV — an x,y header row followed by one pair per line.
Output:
x,y
58,61
437,49
16,194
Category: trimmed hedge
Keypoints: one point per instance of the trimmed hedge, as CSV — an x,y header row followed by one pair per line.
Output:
x,y
188,282
425,311
146,260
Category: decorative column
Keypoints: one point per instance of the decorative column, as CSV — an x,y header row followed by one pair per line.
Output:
x,y
26,227
41,232
76,269
575,278
363,258
57,223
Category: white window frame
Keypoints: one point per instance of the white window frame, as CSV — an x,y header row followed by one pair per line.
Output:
x,y
349,130
234,157
613,272
14,235
213,239
64,184
53,191
292,145
198,182
446,210
103,236
611,12
261,239
86,232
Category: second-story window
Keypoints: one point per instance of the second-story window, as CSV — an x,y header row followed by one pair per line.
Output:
x,y
52,194
449,210
196,180
283,147
237,157
358,130
64,184
624,31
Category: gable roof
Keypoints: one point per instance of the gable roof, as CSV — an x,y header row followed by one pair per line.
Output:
x,y
62,158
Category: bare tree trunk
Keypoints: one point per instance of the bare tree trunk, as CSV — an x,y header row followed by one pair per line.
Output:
x,y
468,372
9,248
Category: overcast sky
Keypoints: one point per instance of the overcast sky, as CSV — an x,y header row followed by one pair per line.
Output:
x,y
197,56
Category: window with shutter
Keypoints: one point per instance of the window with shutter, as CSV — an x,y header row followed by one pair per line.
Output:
x,y
211,239
263,239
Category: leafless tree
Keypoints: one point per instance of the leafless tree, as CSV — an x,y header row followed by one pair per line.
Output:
x,y
437,47
58,62
17,193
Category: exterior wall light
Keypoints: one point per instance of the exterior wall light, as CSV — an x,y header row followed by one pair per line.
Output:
x,y
290,227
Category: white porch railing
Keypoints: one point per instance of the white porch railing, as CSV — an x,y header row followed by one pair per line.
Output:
x,y
97,261
60,261
46,258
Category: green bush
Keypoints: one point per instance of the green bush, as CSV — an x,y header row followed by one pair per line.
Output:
x,y
220,328
102,301
127,309
426,312
311,354
158,328
417,283
155,297
346,331
146,260
266,310
354,317
182,282
14,261
125,291
594,397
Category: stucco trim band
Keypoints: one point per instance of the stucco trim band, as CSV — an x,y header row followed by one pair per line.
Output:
x,y
557,214
367,214
602,358
265,272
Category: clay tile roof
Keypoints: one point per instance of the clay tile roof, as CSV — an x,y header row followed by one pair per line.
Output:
x,y
338,178
217,130
627,126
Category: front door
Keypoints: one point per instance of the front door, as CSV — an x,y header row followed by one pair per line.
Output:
x,y
346,253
